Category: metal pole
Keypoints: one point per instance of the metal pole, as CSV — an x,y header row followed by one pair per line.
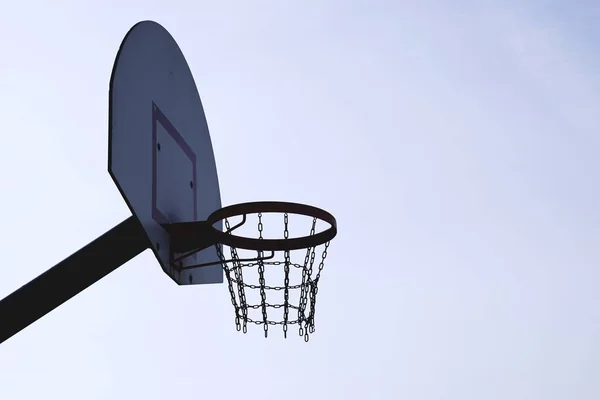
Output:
x,y
71,276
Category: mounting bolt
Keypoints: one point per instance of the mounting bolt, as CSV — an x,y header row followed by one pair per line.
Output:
x,y
192,184
158,146
190,278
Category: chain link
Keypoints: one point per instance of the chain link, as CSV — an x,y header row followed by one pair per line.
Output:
x,y
219,248
261,277
286,280
307,283
275,263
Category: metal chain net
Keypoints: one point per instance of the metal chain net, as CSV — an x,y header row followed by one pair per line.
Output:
x,y
300,312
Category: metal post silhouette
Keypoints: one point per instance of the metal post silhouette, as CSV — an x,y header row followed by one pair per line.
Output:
x,y
71,276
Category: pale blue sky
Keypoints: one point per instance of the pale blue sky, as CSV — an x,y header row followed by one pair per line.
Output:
x,y
456,142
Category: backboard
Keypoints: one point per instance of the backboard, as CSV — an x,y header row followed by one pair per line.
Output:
x,y
160,152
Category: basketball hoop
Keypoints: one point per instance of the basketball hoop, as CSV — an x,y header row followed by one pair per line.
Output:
x,y
161,159
190,237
